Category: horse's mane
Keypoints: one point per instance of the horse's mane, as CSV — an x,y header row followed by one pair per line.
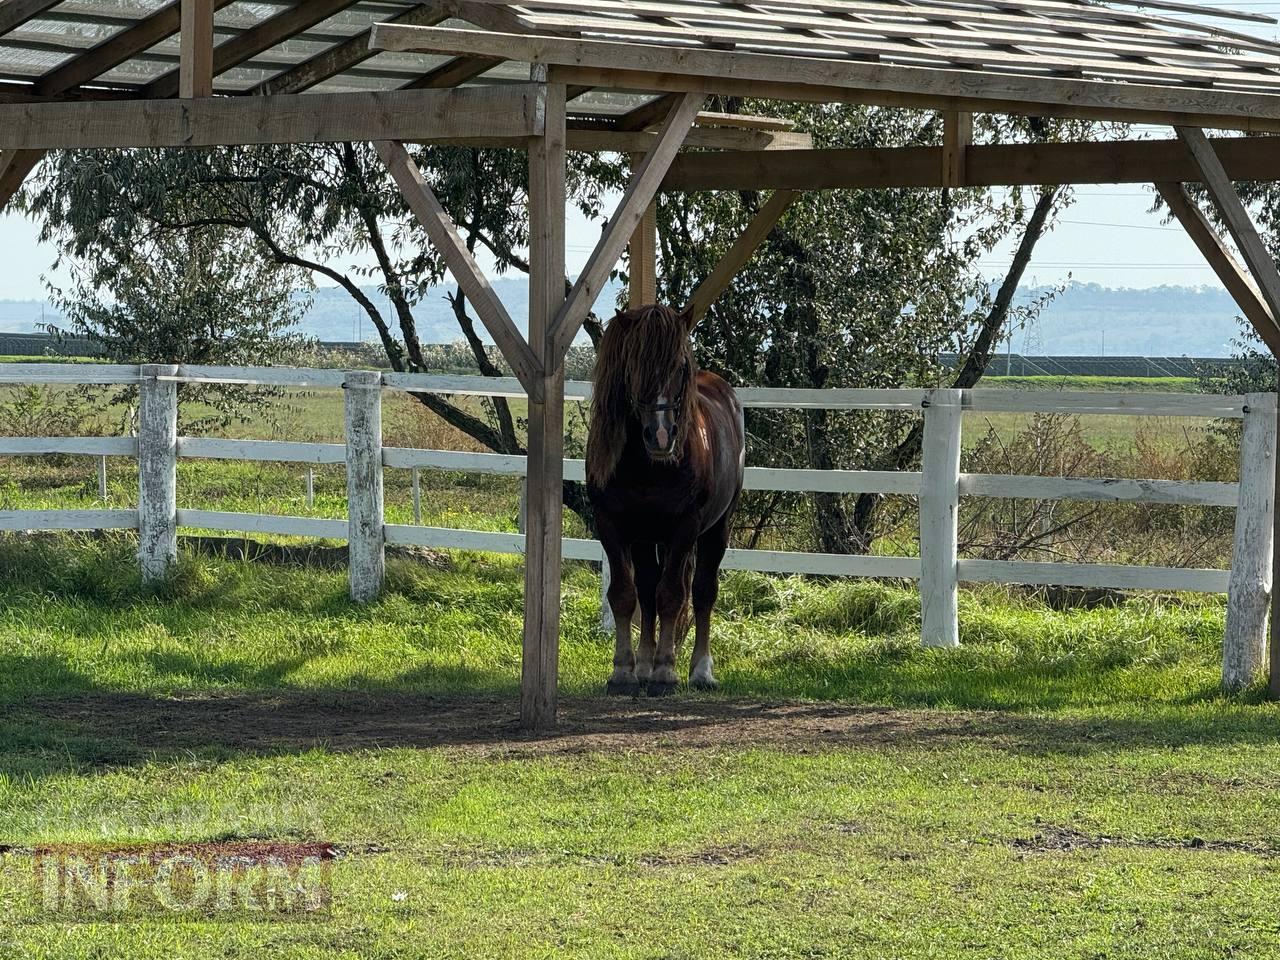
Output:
x,y
640,355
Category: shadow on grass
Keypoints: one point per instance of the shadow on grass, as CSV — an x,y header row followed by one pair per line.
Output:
x,y
45,736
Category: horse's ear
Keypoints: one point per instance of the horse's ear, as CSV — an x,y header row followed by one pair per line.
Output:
x,y
689,318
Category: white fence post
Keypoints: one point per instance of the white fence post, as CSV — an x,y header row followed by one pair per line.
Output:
x,y
607,623
417,498
366,537
939,509
1249,588
102,478
311,487
157,471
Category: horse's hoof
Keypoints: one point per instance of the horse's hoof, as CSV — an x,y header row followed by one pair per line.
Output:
x,y
704,683
659,688
623,688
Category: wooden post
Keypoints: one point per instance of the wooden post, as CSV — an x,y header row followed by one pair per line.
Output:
x,y
157,471
1249,590
102,478
1273,686
417,497
195,68
957,135
544,523
939,510
366,538
311,487
643,255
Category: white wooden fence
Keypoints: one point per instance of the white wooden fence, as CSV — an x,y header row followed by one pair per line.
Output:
x,y
938,486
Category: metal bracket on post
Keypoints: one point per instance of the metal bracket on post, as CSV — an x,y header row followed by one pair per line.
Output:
x,y
157,470
1244,644
365,534
939,514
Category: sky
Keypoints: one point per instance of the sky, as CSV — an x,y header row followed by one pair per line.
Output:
x,y
1108,237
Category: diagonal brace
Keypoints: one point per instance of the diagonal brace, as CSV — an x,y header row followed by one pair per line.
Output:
x,y
717,282
1250,245
640,193
444,235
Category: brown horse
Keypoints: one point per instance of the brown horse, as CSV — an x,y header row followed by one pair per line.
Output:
x,y
665,459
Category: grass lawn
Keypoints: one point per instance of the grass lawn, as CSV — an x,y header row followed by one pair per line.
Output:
x,y
1067,784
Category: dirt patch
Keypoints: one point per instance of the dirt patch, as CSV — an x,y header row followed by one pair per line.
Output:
x,y
277,722
1059,839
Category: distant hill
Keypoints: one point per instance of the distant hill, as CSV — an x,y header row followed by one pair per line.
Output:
x,y
1086,319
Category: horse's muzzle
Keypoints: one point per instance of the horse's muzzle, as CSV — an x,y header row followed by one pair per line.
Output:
x,y
660,440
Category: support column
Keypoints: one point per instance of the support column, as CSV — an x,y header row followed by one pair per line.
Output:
x,y
1249,591
366,539
544,521
643,256
939,515
157,471
195,49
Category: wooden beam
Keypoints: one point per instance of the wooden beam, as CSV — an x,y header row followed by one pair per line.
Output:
x,y
351,53
586,135
499,114
14,13
641,192
15,167
957,137
196,49
1219,256
453,73
444,236
642,254
654,67
1038,164
545,502
247,45
1218,183
766,218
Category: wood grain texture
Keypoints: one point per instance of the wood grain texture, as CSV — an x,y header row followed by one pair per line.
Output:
x,y
494,114
1038,164
547,197
195,70
656,68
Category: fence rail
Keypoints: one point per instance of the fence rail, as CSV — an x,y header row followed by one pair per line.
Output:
x,y
939,485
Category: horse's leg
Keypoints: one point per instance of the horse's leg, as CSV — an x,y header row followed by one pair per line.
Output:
x,y
706,587
645,557
673,598
622,601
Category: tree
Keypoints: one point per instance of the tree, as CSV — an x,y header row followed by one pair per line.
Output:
x,y
200,298
854,288
307,207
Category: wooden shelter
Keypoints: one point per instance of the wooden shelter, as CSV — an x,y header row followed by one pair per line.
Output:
x,y
633,76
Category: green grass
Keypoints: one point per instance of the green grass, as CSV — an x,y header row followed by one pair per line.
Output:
x,y
1109,384
1063,785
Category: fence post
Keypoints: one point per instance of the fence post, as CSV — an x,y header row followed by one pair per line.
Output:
x,y
365,535
102,479
939,507
311,487
1249,588
157,471
417,498
607,623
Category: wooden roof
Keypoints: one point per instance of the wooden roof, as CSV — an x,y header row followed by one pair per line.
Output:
x,y
55,47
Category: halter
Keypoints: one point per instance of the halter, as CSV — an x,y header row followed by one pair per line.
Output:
x,y
678,403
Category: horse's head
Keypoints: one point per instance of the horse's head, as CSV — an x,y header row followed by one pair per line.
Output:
x,y
645,374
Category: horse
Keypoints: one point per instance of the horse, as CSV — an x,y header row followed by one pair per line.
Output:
x,y
666,449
